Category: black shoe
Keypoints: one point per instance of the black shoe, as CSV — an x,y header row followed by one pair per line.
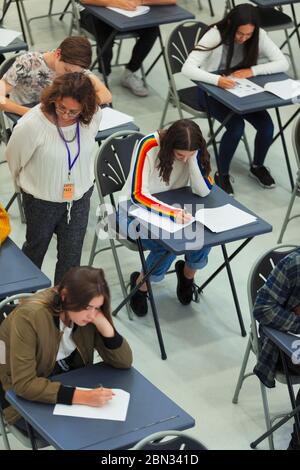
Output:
x,y
138,301
225,184
185,287
263,176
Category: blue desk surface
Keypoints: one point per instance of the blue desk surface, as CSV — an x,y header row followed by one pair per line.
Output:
x,y
284,341
189,239
157,15
17,272
149,411
15,46
273,3
249,104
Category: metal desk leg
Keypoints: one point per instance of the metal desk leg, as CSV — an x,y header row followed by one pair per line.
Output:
x,y
212,135
152,302
286,155
31,436
233,290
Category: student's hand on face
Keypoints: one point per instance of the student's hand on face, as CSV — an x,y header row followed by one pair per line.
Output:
x,y
99,396
243,73
183,217
128,4
226,82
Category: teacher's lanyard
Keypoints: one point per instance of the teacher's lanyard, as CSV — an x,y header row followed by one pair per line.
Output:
x,y
70,162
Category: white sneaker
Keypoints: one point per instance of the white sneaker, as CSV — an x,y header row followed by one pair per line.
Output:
x,y
134,83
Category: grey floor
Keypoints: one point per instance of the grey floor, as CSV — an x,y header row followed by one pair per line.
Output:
x,y
203,342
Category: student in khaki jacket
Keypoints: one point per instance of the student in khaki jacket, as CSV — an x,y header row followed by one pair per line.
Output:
x,y
57,330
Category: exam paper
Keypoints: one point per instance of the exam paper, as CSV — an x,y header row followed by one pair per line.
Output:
x,y
244,87
140,10
285,89
115,409
113,118
7,36
220,219
164,223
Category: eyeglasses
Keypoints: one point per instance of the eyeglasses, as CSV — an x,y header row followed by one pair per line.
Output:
x,y
90,308
62,110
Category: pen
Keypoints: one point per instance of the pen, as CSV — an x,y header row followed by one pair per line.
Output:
x,y
98,386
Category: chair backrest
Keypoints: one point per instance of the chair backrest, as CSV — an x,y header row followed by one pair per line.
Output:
x,y
258,276
296,141
180,43
5,66
169,440
112,164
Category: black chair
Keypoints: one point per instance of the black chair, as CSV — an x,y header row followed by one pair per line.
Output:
x,y
257,277
6,306
169,440
296,190
112,165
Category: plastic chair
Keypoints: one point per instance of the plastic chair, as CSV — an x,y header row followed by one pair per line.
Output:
x,y
112,165
169,440
5,428
296,190
257,277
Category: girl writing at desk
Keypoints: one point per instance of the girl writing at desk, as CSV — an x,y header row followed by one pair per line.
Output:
x,y
165,160
236,45
55,331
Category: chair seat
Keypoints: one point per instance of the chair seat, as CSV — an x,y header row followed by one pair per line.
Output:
x,y
189,97
272,19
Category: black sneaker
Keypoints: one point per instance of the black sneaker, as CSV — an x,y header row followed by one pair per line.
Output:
x,y
185,287
263,176
138,301
225,184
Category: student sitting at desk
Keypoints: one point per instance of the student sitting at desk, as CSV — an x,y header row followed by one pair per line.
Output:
x,y
278,306
51,157
164,160
142,47
33,71
236,45
55,331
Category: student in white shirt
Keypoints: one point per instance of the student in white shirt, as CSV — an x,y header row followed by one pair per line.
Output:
x,y
165,160
235,45
51,155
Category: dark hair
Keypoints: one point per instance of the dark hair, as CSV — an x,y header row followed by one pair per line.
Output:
x,y
181,135
240,15
76,50
74,85
82,284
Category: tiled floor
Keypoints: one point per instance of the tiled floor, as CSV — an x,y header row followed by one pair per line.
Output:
x,y
203,342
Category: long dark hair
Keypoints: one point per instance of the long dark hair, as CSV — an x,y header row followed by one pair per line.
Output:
x,y
76,85
80,285
240,15
184,134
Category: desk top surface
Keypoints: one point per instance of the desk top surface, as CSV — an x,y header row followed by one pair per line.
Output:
x,y
191,238
149,411
17,272
252,103
157,15
15,46
284,341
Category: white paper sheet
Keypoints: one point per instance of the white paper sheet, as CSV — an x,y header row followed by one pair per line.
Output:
x,y
113,118
223,218
244,87
7,36
140,10
115,409
285,89
294,334
162,222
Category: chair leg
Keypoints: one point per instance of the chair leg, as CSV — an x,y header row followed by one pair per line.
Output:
x,y
93,250
288,212
246,144
242,373
200,5
21,208
162,121
212,13
120,276
4,433
50,7
267,414
26,22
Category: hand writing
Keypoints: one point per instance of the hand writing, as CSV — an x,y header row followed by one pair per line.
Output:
x,y
226,82
183,217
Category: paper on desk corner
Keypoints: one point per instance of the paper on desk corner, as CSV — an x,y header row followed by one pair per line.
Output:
x,y
223,218
7,36
164,223
285,89
113,118
115,409
140,10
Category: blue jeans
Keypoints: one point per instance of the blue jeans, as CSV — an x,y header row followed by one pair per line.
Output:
x,y
260,120
194,259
